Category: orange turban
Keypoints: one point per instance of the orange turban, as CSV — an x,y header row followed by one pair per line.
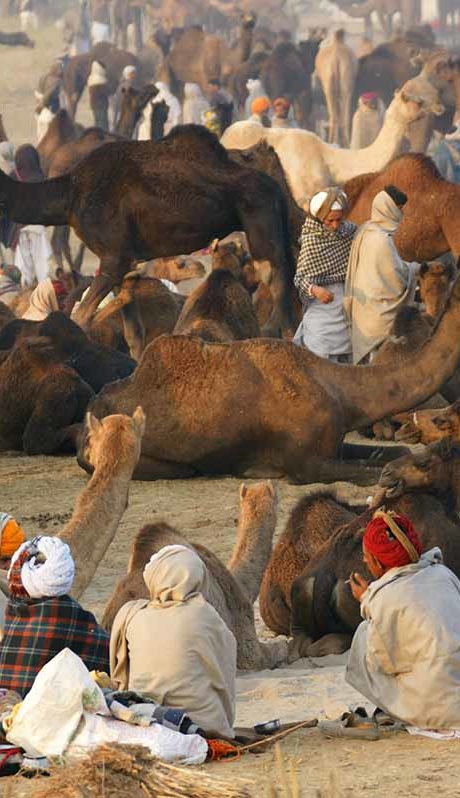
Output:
x,y
11,535
260,105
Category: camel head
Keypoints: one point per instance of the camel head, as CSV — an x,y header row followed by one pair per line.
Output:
x,y
433,425
435,281
429,470
416,99
258,501
178,268
249,20
133,103
113,443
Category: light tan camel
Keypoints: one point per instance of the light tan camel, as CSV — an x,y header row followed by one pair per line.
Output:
x,y
176,269
234,588
113,448
336,66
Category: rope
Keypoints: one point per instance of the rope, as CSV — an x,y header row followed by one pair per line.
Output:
x,y
219,745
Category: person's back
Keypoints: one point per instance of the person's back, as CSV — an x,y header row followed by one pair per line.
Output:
x,y
175,647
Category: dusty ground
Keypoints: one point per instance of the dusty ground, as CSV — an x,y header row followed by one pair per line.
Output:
x,y
41,491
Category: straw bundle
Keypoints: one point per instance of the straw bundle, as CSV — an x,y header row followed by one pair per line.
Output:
x,y
115,771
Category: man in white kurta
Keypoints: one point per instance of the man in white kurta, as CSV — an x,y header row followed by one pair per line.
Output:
x,y
405,655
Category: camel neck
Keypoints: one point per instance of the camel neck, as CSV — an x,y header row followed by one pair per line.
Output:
x,y
369,393
389,140
95,521
46,203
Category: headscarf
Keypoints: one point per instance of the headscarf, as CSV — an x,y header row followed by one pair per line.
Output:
x,y
27,161
98,75
41,568
175,575
323,202
129,72
12,536
43,301
392,539
260,105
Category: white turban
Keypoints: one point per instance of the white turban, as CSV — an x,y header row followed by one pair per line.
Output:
x,y
50,571
318,200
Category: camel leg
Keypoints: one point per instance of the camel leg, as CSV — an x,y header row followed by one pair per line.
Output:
x,y
148,468
133,329
51,426
56,246
100,287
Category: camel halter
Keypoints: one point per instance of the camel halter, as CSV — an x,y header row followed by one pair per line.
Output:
x,y
399,534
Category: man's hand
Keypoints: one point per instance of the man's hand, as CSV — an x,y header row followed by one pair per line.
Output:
x,y
322,294
358,585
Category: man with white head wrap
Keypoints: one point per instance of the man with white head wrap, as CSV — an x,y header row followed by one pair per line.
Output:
x,y
325,244
378,282
175,647
42,619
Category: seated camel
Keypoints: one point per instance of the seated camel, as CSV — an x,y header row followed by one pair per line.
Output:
x,y
305,590
42,401
268,407
97,365
233,589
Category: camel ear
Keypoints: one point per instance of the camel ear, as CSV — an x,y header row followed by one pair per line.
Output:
x,y
215,245
456,407
139,419
437,109
271,488
243,490
92,422
424,268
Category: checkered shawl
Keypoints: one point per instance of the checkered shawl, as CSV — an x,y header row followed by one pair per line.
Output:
x,y
35,631
323,255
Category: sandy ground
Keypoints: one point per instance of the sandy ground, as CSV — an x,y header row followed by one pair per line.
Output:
x,y
41,492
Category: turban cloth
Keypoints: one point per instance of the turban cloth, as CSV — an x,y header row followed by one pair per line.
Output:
x,y
11,535
42,567
260,105
323,202
392,539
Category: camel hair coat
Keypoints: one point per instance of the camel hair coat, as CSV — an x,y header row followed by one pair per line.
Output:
x,y
405,655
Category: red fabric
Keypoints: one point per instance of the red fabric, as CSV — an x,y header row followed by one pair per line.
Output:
x,y
379,540
368,96
282,103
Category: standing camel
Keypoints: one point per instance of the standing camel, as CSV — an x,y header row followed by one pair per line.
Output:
x,y
132,201
336,67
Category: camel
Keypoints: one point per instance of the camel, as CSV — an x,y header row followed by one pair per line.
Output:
x,y
435,282
428,229
176,270
97,365
428,426
197,57
233,589
284,73
131,201
43,401
132,106
143,308
6,315
336,67
304,591
219,310
61,130
385,10
77,69
113,450
239,429
310,163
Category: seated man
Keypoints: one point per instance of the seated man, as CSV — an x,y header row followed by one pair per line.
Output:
x,y
176,648
42,619
11,537
405,656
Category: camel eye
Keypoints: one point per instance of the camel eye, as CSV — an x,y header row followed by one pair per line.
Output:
x,y
441,423
424,465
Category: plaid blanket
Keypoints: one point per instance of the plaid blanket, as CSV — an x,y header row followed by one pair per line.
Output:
x,y
324,254
37,630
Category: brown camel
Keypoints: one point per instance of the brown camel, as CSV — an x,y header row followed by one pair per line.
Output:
x,y
233,589
287,71
311,598
6,315
143,308
177,269
428,228
219,310
43,401
133,102
336,67
242,386
113,449
197,56
131,201
61,130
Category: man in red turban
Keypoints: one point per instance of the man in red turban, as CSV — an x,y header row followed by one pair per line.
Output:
x,y
405,655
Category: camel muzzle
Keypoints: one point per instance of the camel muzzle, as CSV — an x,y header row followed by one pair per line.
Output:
x,y
393,486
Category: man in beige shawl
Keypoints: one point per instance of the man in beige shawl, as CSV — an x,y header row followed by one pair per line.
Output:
x,y
378,281
175,647
42,302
